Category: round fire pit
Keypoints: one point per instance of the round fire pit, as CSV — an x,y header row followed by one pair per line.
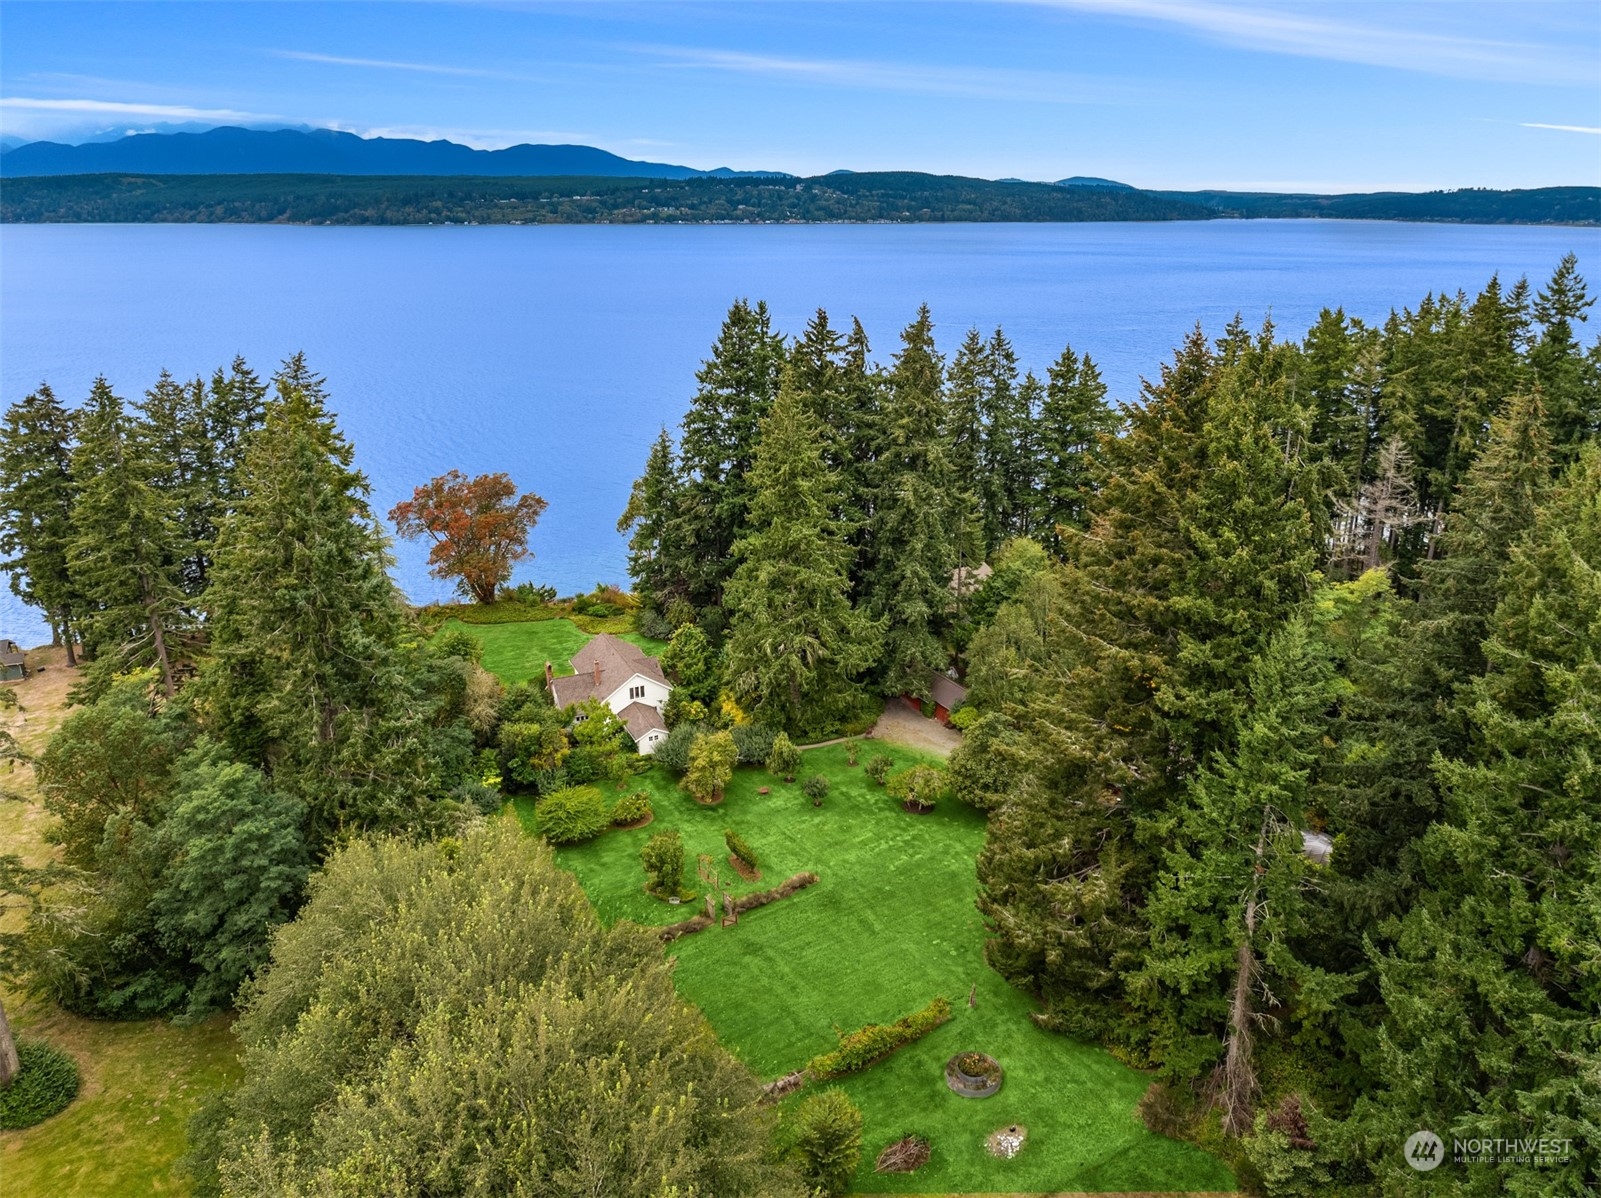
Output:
x,y
973,1074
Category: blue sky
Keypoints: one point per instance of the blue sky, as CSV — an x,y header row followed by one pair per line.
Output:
x,y
1354,95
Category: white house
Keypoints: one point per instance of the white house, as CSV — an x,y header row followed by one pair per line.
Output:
x,y
623,677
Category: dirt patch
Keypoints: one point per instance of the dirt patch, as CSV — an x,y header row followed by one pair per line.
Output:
x,y
638,823
900,726
743,870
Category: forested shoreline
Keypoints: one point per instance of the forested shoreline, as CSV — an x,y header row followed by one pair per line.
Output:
x,y
1344,585
875,196
1347,584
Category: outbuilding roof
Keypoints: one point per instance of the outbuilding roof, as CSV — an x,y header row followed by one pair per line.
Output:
x,y
600,667
946,692
11,653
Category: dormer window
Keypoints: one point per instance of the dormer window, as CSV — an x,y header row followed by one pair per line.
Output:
x,y
636,692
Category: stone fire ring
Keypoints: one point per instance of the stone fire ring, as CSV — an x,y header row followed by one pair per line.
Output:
x,y
970,1082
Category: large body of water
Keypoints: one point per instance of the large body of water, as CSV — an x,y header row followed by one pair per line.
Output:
x,y
555,353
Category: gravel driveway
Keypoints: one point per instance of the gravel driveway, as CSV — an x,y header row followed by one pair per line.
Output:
x,y
902,726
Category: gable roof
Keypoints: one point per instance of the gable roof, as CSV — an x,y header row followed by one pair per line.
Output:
x,y
10,653
641,718
600,667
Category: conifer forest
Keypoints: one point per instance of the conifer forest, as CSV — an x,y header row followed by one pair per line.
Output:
x,y
1282,721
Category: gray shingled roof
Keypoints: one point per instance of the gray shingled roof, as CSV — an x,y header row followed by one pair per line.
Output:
x,y
944,691
11,654
640,718
600,667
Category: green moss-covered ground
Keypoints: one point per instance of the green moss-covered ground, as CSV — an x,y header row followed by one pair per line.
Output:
x,y
891,924
518,652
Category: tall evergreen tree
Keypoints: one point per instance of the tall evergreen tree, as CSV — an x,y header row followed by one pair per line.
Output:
x,y
1495,506
1491,989
737,386
126,544
1073,417
654,561
794,639
908,586
37,493
308,680
1569,379
1230,901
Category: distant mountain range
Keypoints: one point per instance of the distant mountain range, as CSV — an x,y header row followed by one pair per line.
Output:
x,y
234,151
320,176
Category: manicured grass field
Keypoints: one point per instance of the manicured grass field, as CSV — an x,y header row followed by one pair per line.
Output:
x,y
890,925
518,652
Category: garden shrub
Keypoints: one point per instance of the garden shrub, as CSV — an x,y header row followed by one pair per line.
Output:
x,y
879,766
738,848
457,642
572,814
754,743
922,785
712,759
828,1141
861,1048
815,787
46,1083
964,718
853,750
631,807
783,759
927,709
486,800
651,623
663,859
674,751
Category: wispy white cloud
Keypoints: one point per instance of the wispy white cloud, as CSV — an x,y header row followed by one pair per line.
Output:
x,y
1562,128
181,112
386,64
965,82
1303,32
478,139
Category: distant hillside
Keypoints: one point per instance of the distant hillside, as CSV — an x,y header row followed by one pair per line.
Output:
x,y
1092,181
406,200
1469,205
896,197
230,151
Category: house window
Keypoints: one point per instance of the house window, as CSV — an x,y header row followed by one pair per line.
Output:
x,y
636,692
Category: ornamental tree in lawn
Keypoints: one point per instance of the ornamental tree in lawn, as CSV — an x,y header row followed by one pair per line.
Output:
x,y
479,527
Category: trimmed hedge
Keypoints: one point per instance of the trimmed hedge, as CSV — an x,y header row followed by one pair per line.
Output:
x,y
738,848
45,1085
861,1048
761,898
570,815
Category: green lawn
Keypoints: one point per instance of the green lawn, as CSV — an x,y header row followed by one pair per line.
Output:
x,y
890,925
518,652
123,1134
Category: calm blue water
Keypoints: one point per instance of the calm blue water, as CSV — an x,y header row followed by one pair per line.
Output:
x,y
555,353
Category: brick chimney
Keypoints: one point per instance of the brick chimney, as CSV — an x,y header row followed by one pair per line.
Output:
x,y
597,671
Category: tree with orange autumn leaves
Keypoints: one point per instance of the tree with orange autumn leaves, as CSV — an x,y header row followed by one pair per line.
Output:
x,y
479,527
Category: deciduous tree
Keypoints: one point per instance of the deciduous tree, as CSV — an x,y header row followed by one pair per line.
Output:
x,y
479,528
